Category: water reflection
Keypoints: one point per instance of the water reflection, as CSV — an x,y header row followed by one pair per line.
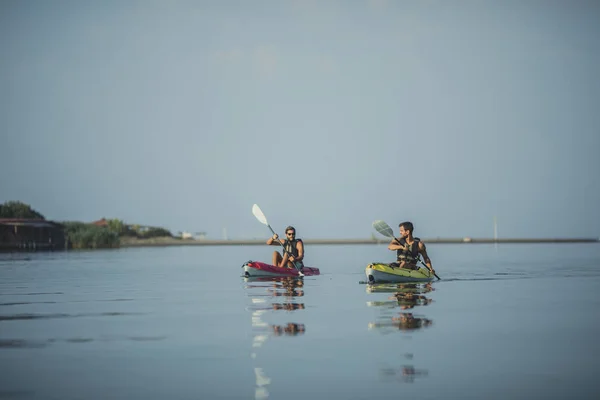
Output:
x,y
405,373
399,296
403,322
275,286
400,288
32,344
404,301
269,294
16,317
279,306
290,329
393,302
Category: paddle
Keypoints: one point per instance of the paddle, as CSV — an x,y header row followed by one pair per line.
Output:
x,y
383,228
260,216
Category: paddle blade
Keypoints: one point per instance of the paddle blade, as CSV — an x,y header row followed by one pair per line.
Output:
x,y
259,214
383,228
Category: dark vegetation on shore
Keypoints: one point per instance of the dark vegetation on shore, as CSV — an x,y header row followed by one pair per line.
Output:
x,y
105,233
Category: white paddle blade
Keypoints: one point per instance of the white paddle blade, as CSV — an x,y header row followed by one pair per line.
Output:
x,y
383,228
259,214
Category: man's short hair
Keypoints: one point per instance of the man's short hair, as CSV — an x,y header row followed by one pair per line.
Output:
x,y
407,226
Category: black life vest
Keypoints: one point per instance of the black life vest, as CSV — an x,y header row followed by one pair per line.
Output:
x,y
411,255
290,246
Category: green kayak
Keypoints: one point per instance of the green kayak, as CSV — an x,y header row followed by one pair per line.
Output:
x,y
383,272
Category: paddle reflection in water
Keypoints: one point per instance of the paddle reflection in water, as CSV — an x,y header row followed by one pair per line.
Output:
x,y
262,292
396,297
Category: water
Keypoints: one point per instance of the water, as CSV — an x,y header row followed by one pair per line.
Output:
x,y
512,321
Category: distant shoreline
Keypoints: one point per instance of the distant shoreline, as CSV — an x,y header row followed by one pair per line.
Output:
x,y
132,242
158,242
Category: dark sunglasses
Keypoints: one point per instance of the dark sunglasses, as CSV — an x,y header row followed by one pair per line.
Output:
x,y
290,233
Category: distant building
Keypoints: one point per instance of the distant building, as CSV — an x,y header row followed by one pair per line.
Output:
x,y
100,222
31,234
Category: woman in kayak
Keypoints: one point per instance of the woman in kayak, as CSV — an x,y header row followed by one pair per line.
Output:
x,y
293,249
408,248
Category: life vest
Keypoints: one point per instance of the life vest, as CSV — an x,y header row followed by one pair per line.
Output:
x,y
411,255
290,246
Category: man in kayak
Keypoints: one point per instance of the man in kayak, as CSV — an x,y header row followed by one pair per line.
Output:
x,y
408,248
293,249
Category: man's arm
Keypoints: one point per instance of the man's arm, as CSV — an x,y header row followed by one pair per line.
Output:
x,y
426,259
395,245
300,248
274,240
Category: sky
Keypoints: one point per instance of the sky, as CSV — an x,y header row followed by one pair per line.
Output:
x,y
327,114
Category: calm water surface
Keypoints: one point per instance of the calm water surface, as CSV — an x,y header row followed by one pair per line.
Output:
x,y
507,321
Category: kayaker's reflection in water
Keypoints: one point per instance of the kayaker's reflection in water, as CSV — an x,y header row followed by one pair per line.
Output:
x,y
293,249
288,287
407,296
291,329
409,300
288,306
407,322
407,373
281,306
291,288
404,322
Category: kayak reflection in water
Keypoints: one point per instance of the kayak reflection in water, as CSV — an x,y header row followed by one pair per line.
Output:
x,y
293,249
291,329
400,288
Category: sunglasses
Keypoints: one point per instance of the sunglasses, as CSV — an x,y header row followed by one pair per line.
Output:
x,y
291,233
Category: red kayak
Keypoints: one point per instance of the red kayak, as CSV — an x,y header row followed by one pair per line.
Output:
x,y
257,268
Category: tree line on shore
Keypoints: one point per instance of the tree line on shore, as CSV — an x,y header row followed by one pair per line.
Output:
x,y
82,235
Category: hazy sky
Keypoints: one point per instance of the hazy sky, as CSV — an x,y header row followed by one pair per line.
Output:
x,y
328,114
